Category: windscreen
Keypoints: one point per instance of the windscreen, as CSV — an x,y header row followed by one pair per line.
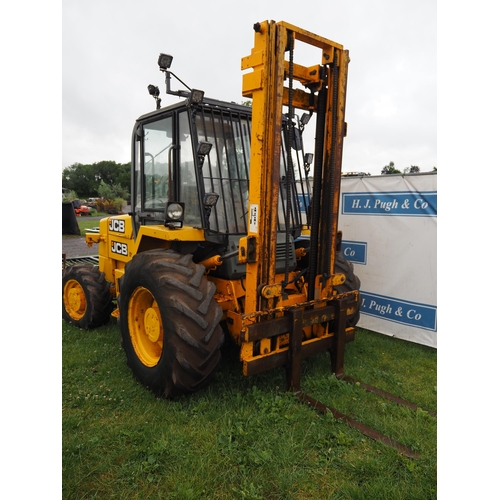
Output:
x,y
226,170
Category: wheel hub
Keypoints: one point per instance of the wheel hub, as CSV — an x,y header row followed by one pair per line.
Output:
x,y
74,299
152,324
145,327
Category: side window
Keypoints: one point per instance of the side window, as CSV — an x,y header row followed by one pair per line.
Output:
x,y
158,163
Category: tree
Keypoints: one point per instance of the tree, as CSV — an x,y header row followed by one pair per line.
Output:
x,y
390,169
80,178
413,169
86,179
109,192
105,191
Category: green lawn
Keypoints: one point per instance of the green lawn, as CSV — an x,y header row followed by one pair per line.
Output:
x,y
246,438
86,223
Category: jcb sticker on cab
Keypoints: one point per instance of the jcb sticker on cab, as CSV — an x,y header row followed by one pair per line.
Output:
x,y
119,248
117,225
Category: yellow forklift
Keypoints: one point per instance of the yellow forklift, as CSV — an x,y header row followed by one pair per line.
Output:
x,y
233,230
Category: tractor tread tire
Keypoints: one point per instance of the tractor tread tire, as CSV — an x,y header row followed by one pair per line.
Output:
x,y
99,301
352,282
190,316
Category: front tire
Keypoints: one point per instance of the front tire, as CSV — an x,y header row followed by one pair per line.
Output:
x,y
169,322
86,300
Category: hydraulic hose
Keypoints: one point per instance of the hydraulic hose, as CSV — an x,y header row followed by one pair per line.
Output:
x,y
316,199
289,161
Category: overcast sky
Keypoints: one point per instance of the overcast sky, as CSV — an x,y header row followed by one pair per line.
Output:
x,y
110,51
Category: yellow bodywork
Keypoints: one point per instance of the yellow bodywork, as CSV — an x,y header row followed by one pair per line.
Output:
x,y
117,245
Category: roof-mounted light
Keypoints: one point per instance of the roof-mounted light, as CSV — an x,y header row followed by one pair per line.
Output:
x,y
164,61
195,97
155,92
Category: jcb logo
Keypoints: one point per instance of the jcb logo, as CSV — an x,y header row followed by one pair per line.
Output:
x,y
117,225
120,248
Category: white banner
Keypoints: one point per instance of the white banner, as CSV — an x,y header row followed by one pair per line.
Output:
x,y
389,227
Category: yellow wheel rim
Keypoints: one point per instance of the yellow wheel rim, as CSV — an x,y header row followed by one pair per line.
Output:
x,y
75,301
145,326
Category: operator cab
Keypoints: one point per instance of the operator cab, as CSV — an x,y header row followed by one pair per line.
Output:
x,y
191,165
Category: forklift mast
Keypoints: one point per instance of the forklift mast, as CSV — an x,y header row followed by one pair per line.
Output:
x,y
271,87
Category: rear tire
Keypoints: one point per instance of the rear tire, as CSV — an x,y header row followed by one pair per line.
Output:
x,y
86,300
169,322
352,282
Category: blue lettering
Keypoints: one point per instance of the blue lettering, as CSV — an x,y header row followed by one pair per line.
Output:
x,y
406,203
399,311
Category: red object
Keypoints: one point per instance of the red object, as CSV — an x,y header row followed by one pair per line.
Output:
x,y
80,209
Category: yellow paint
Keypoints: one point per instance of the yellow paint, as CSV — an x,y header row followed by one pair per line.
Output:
x,y
74,299
145,327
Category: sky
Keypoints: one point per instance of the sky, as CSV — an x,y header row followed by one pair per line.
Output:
x,y
110,51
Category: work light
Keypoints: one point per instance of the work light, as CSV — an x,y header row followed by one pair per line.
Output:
x,y
174,211
164,61
153,90
210,199
195,97
304,119
174,214
204,148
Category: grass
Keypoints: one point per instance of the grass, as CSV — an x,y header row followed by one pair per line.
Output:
x,y
84,223
245,438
